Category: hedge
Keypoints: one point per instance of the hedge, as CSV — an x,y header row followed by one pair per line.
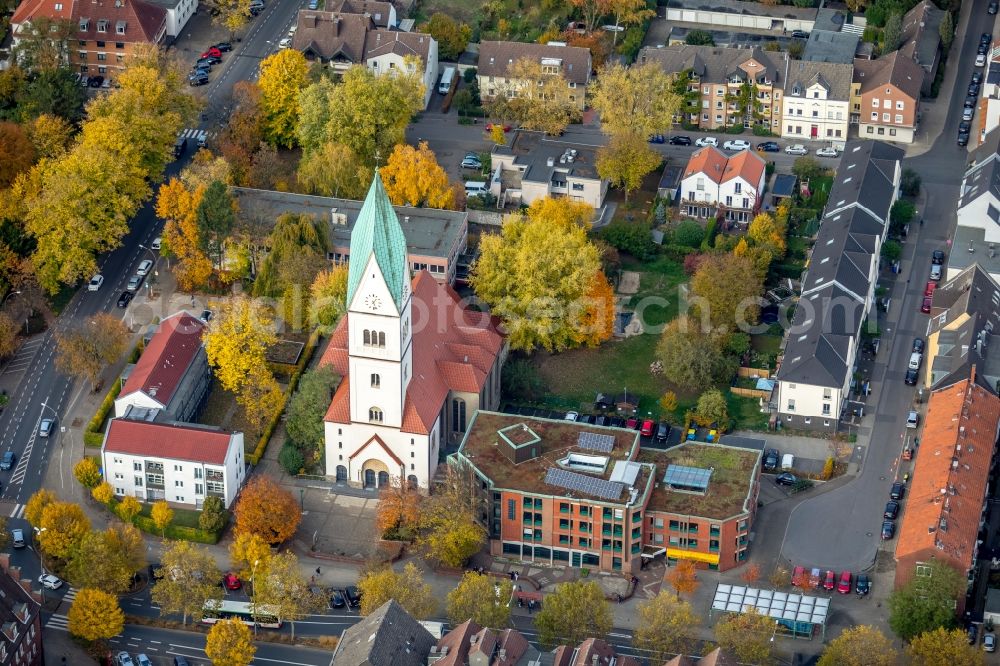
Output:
x,y
181,532
293,382
93,436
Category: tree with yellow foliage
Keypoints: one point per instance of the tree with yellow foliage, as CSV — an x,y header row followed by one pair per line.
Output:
x,y
261,398
333,170
50,135
666,625
88,472
638,100
247,549
329,297
407,587
230,643
178,205
746,635
129,508
536,99
103,492
943,646
483,599
95,615
162,515
61,528
36,505
412,177
237,340
398,507
450,533
283,75
764,231
626,160
864,645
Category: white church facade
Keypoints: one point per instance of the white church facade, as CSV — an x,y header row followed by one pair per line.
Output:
x,y
415,364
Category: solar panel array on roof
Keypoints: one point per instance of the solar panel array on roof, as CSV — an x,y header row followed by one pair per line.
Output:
x,y
596,442
679,476
585,484
776,605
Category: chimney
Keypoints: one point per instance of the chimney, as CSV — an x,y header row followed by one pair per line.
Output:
x,y
595,659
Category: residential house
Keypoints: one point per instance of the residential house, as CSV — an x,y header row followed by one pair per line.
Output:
x,y
921,40
838,289
885,98
153,459
435,239
20,619
415,363
817,102
382,14
172,374
535,166
833,38
572,494
977,234
742,15
388,636
947,497
988,117
469,644
961,331
105,34
573,63
714,658
715,185
179,12
342,40
727,86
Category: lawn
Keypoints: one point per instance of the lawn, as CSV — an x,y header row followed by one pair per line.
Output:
x,y
223,411
182,517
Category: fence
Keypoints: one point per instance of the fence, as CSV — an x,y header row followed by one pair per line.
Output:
x,y
753,373
750,393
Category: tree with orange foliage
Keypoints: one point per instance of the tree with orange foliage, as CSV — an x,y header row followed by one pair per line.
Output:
x,y
413,177
181,235
751,574
398,508
597,320
683,578
242,137
267,510
17,153
597,42
591,10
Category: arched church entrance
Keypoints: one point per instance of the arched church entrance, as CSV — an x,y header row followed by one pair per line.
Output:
x,y
376,474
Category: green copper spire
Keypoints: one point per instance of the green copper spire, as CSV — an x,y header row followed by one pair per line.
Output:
x,y
377,232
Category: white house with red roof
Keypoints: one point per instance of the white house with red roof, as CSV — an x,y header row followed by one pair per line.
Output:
x,y
415,363
182,463
729,187
172,375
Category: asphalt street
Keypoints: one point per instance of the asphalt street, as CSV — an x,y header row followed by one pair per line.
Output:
x,y
840,529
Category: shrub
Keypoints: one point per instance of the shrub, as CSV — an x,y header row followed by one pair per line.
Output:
x,y
709,238
762,130
699,38
692,262
828,469
291,458
910,182
520,379
631,237
735,129
94,433
689,233
213,515
181,532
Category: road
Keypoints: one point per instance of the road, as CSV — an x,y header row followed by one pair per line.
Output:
x,y
840,529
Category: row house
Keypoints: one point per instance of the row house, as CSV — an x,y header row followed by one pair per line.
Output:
x,y
885,98
817,102
988,117
104,33
573,494
572,63
731,188
20,618
977,231
727,86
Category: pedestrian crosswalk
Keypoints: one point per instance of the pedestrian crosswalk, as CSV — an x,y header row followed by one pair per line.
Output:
x,y
18,511
58,622
199,135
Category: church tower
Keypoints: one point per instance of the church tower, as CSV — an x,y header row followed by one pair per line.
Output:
x,y
378,303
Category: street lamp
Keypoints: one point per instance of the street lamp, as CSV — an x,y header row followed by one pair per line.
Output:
x,y
253,600
16,293
41,564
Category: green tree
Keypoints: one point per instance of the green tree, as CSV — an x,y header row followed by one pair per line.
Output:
x,y
95,615
450,533
807,168
283,75
452,37
636,238
572,613
726,290
189,578
285,590
626,160
640,100
298,246
483,599
863,645
230,643
304,422
43,43
691,357
333,170
213,515
941,647
901,214
329,296
54,92
216,216
699,38
946,31
892,33
746,635
712,408
892,251
407,587
87,472
926,602
666,625
909,183
107,560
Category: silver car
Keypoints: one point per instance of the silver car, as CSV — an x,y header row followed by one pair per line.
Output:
x,y
134,283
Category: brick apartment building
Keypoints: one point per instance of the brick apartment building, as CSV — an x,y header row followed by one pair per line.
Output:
x,y
567,493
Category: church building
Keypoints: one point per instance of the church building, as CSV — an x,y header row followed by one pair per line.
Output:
x,y
415,363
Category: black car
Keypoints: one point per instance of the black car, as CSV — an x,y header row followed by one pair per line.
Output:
x,y
617,422
771,459
982,49
662,431
937,257
353,596
768,147
911,377
7,462
897,491
181,661
863,584
986,38
964,127
993,7
225,47
977,77
891,510
587,418
602,420
918,345
679,141
888,530
973,634
963,139
337,599
204,63
800,34
786,479
970,102
95,81
125,299
973,89
198,79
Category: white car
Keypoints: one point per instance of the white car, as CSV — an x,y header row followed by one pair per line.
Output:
x,y
912,420
285,43
124,659
50,582
155,245
707,141
797,149
45,427
571,416
981,60
736,144
827,152
95,282
143,660
144,267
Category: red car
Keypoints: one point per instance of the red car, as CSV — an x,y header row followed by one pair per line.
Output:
x,y
506,127
844,586
829,581
232,581
647,428
211,53
925,306
632,423
929,288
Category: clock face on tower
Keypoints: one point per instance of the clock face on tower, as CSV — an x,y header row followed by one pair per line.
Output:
x,y
373,302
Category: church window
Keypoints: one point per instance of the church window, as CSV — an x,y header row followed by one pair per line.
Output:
x,y
376,380
381,339
458,415
373,338
368,337
375,415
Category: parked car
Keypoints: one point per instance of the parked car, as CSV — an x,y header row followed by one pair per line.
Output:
x,y
897,491
736,144
796,149
212,52
95,81
937,257
814,577
472,163
144,267
891,510
572,416
231,581
989,640
662,431
910,379
704,141
95,282
337,599
124,659
799,577
991,9
506,127
912,419
829,580
918,344
829,151
647,428
45,427
973,633
198,79
143,660
863,585
771,457
125,298
986,38
844,584
768,147
786,479
353,596
925,305
970,102
657,138
936,272
7,461
977,77
888,530
223,47
964,127
156,244
800,34
679,141
181,661
967,113
17,535
134,283
617,422
285,42
206,316
973,89
50,582
313,4
632,423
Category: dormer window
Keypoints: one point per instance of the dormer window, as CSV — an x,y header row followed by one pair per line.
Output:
x,y
102,25
84,24
9,630
120,27
58,6
21,613
795,90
